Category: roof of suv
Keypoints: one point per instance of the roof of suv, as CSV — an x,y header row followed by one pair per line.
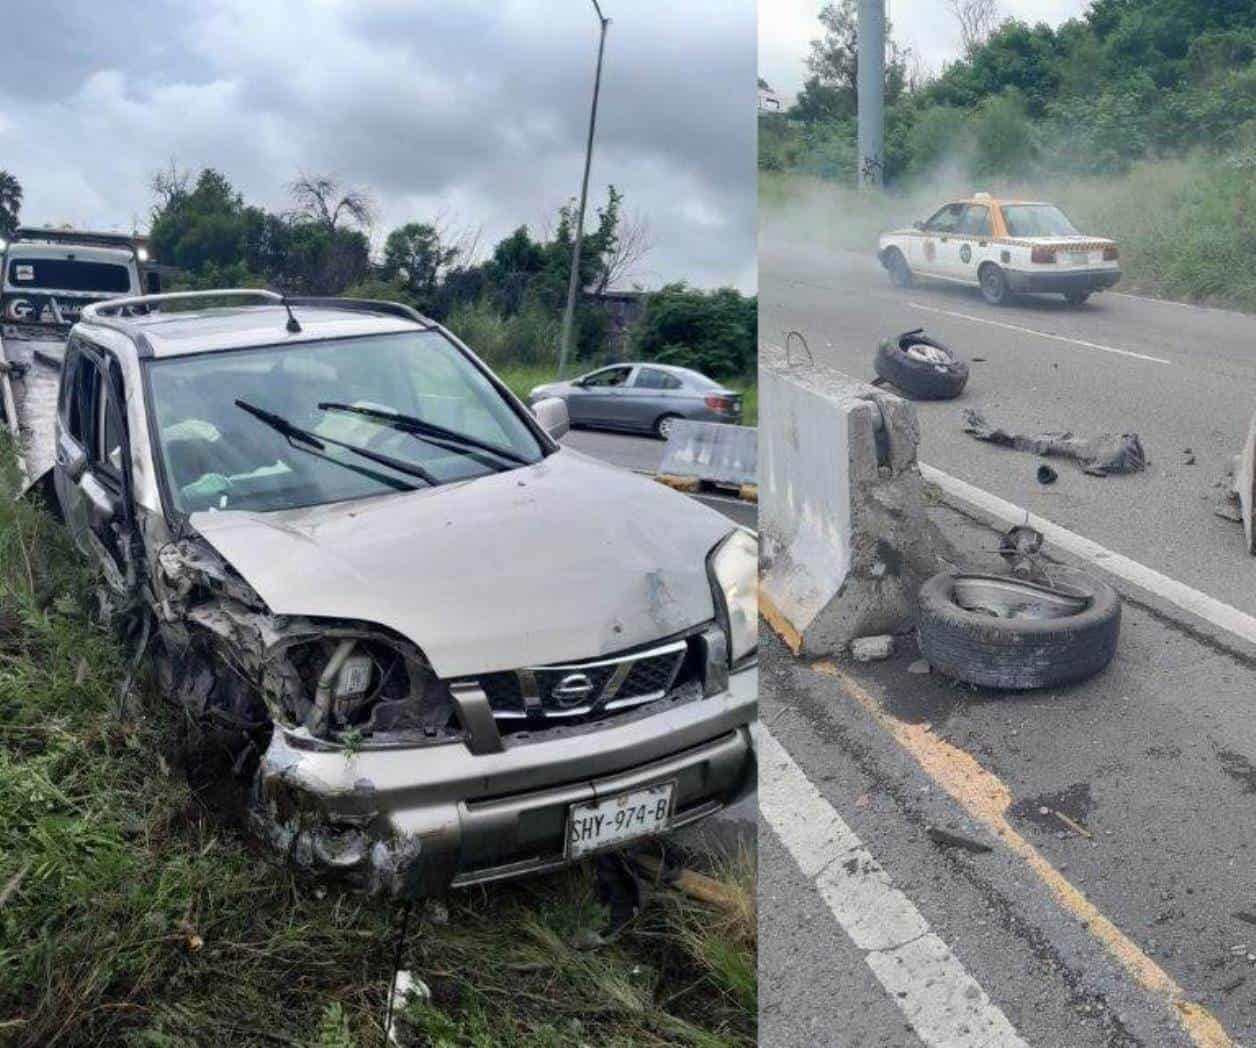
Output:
x,y
220,328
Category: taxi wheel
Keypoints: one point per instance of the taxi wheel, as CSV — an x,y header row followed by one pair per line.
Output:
x,y
994,287
900,272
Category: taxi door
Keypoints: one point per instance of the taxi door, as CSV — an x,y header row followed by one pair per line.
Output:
x,y
969,246
930,247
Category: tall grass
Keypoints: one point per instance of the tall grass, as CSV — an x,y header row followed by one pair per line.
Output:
x,y
1186,226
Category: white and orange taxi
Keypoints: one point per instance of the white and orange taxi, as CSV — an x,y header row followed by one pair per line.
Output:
x,y
1003,247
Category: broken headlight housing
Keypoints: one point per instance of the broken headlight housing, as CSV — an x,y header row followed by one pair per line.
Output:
x,y
734,570
366,682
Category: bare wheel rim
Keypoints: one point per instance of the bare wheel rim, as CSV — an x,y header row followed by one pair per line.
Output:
x,y
1002,597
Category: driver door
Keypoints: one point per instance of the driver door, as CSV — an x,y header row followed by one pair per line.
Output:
x,y
596,400
89,464
929,251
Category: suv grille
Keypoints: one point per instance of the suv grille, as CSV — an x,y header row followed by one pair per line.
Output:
x,y
590,689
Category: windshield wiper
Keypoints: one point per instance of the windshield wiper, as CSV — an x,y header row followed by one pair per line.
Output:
x,y
429,431
281,425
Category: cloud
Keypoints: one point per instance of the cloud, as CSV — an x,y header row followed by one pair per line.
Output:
x,y
474,111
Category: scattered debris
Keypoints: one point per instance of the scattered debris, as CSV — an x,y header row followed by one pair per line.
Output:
x,y
872,649
690,882
1244,916
954,840
1098,456
406,985
921,366
863,800
1020,547
1234,984
13,884
920,666
976,360
1076,827
1046,475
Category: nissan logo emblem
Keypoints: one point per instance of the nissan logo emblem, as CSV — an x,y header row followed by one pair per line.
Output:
x,y
572,690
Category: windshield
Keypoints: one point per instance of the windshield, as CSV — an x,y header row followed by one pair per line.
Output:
x,y
217,455
61,274
1037,220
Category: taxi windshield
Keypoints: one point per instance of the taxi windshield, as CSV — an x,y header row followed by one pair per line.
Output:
x,y
1037,220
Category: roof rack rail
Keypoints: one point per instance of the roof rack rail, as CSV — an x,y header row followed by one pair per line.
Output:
x,y
113,306
363,305
71,236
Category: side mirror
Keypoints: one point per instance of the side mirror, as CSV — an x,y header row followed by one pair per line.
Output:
x,y
152,282
552,414
102,507
918,225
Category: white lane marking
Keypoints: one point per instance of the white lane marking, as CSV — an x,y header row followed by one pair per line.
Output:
x,y
1041,334
1183,596
943,1003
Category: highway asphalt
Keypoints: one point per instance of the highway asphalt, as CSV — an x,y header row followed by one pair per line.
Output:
x,y
1198,393
1117,903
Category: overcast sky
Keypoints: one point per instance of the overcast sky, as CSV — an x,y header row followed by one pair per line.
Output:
x,y
787,28
474,110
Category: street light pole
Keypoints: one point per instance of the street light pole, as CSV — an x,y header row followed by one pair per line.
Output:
x,y
573,284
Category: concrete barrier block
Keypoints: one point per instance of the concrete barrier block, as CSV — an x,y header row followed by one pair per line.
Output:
x,y
712,452
844,539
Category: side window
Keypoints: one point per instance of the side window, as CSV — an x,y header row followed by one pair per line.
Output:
x,y
976,221
609,377
82,395
653,378
945,219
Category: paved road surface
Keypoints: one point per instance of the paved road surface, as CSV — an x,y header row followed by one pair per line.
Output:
x,y
1198,393
1155,759
1070,939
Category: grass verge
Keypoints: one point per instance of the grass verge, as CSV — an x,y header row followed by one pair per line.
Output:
x,y
132,913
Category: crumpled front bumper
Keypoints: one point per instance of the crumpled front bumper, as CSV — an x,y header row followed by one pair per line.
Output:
x,y
418,820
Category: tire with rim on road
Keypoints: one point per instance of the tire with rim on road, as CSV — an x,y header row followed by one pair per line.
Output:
x,y
994,287
920,366
1000,631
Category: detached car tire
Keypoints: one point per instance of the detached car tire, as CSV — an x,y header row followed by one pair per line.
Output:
x,y
921,366
979,646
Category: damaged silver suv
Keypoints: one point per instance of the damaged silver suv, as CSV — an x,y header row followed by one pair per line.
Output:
x,y
455,650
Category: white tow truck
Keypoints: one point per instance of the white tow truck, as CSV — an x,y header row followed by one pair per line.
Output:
x,y
47,276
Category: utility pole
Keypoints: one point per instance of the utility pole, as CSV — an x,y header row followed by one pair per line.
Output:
x,y
573,284
870,88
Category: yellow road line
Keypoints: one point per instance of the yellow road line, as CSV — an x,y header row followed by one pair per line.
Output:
x,y
985,798
776,618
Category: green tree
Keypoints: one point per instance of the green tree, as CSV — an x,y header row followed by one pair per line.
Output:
x,y
416,258
10,202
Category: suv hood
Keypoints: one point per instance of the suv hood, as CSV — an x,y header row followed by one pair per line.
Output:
x,y
562,560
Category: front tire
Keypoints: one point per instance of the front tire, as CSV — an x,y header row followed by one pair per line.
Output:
x,y
994,287
663,425
1076,298
900,272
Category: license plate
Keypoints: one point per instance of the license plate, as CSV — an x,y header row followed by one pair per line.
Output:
x,y
616,820
1078,258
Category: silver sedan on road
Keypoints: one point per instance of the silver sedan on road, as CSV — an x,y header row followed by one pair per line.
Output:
x,y
643,398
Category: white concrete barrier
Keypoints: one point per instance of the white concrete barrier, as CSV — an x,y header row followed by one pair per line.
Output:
x,y
844,539
712,452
